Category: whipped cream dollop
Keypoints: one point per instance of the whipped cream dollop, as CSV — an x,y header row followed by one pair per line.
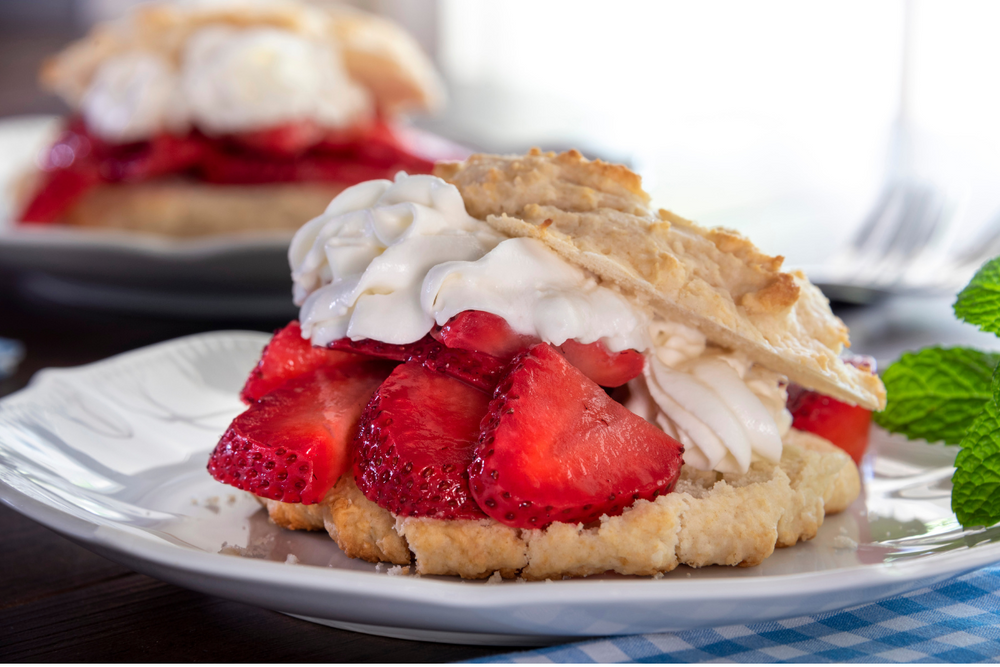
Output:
x,y
227,80
133,97
724,409
241,79
389,259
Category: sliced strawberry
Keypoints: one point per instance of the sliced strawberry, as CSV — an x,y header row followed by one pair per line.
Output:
x,y
555,447
59,190
415,443
289,139
383,146
844,425
289,355
295,152
295,443
479,331
244,167
480,370
163,154
608,369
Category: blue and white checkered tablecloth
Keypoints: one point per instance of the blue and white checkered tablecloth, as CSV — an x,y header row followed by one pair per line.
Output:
x,y
955,621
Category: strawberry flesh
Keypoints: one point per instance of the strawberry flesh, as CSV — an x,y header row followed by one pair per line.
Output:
x,y
57,188
608,369
555,447
844,425
289,355
479,331
475,368
288,139
415,442
295,442
294,152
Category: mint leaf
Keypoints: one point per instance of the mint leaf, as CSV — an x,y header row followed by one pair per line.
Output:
x,y
979,302
975,495
934,394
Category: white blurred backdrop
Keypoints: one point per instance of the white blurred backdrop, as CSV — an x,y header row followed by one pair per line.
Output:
x,y
780,118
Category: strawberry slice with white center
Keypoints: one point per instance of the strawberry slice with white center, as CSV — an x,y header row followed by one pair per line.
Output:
x,y
289,355
294,443
415,442
555,447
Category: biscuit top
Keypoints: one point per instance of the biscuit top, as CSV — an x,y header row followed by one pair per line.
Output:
x,y
597,216
237,65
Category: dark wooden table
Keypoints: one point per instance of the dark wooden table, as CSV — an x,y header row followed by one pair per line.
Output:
x,y
60,602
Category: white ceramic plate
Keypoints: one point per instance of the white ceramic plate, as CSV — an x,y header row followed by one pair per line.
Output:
x,y
223,276
113,456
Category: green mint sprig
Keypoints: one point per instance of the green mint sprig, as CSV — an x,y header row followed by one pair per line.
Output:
x,y
979,302
934,394
952,395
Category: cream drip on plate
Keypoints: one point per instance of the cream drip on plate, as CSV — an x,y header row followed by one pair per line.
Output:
x,y
388,260
227,80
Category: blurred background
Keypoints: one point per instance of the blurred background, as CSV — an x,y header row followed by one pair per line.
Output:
x,y
858,139
779,118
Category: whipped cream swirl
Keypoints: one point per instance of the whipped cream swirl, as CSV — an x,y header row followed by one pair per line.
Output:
x,y
389,259
227,80
724,409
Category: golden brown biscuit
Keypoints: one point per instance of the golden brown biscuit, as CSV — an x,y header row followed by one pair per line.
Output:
x,y
710,519
178,207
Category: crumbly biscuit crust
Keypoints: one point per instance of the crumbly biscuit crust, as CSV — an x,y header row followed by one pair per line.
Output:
x,y
710,519
596,215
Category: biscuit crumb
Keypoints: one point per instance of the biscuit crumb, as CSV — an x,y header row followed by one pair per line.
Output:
x,y
380,567
231,499
844,542
292,559
658,575
259,549
398,571
194,501
521,580
495,578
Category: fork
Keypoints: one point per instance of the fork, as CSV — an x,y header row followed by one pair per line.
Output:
x,y
894,245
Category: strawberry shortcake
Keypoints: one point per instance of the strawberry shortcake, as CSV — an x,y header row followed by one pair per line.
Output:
x,y
208,116
515,366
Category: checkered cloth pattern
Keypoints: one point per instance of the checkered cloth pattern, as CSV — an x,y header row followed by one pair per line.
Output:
x,y
955,621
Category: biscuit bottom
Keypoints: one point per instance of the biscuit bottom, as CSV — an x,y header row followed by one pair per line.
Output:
x,y
179,207
710,519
